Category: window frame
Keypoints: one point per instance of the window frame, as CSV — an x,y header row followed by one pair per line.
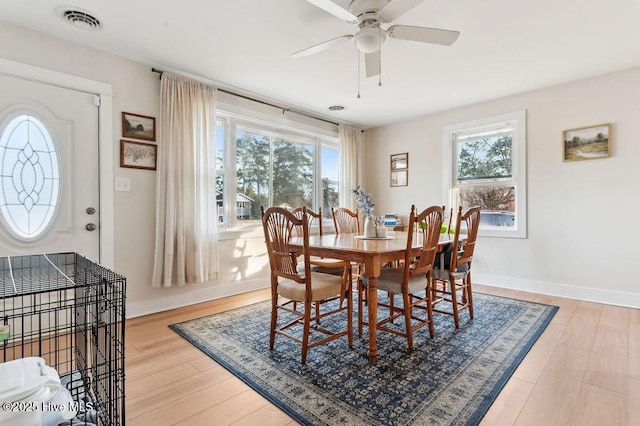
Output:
x,y
234,121
518,180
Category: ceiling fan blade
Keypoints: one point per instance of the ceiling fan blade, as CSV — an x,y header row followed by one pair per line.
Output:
x,y
320,47
423,34
372,64
396,8
335,10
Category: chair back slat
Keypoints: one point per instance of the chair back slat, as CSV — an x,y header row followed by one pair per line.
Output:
x,y
280,225
429,224
464,254
426,226
312,218
345,220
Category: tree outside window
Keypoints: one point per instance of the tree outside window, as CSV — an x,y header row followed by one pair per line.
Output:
x,y
487,169
483,162
273,172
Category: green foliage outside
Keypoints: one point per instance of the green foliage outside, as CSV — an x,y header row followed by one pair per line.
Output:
x,y
486,158
443,228
329,197
285,181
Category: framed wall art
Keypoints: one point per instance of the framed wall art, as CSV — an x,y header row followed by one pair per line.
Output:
x,y
400,169
138,155
137,126
400,161
586,143
399,177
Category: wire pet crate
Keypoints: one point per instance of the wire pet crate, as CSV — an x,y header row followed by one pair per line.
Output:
x,y
70,311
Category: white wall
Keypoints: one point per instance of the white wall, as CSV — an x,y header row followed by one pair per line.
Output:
x,y
244,264
582,236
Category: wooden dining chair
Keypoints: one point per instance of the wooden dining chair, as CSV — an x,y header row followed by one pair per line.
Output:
x,y
321,264
452,276
287,283
412,280
345,220
449,221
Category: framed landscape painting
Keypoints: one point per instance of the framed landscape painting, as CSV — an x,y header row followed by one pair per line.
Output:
x,y
136,126
138,155
586,143
400,178
400,161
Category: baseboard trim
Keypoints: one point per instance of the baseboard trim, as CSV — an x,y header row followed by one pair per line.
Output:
x,y
588,294
609,297
161,304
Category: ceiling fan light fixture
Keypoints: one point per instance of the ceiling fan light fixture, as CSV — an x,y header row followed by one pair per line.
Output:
x,y
369,39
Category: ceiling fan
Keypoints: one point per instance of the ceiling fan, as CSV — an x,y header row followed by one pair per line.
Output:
x,y
370,16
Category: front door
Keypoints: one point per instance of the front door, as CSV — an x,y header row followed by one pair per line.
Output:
x,y
49,175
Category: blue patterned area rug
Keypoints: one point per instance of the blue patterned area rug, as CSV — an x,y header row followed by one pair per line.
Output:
x,y
450,380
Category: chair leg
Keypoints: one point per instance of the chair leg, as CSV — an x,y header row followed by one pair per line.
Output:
x,y
430,308
391,305
350,315
454,301
347,284
305,331
274,317
360,305
469,294
406,301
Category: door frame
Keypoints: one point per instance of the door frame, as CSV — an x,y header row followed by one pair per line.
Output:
x,y
104,98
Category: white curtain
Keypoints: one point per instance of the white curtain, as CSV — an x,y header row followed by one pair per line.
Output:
x,y
350,164
186,249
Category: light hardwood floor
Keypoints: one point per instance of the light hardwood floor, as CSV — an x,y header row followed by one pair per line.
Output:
x,y
583,370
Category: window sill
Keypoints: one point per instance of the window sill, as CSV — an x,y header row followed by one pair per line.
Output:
x,y
238,232
502,233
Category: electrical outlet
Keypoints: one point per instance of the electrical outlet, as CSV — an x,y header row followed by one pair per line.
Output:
x,y
123,184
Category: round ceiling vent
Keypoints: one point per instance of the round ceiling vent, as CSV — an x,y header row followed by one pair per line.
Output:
x,y
81,19
335,108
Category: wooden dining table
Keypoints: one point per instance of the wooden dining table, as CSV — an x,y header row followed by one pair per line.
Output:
x,y
373,254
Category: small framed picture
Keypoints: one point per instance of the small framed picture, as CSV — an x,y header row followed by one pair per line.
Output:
x,y
586,143
399,177
400,161
136,126
138,155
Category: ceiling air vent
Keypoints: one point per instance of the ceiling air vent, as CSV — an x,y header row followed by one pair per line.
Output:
x,y
336,108
81,19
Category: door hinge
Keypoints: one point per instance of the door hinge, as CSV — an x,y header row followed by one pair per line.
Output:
x,y
96,100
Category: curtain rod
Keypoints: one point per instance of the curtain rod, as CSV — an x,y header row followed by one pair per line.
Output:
x,y
263,102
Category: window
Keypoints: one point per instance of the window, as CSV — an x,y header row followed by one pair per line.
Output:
x,y
329,178
272,170
29,177
486,166
220,160
264,164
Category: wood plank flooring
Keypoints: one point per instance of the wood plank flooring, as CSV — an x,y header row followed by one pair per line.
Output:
x,y
584,370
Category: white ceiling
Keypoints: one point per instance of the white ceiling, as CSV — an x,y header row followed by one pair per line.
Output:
x,y
505,47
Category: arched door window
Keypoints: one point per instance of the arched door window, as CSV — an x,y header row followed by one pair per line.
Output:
x,y
29,177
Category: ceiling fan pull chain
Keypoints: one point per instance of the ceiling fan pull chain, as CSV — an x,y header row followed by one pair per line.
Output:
x,y
380,57
358,53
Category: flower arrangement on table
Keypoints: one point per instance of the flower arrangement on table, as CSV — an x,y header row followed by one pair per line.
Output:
x,y
365,202
366,205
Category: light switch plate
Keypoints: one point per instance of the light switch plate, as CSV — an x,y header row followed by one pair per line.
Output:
x,y
123,184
